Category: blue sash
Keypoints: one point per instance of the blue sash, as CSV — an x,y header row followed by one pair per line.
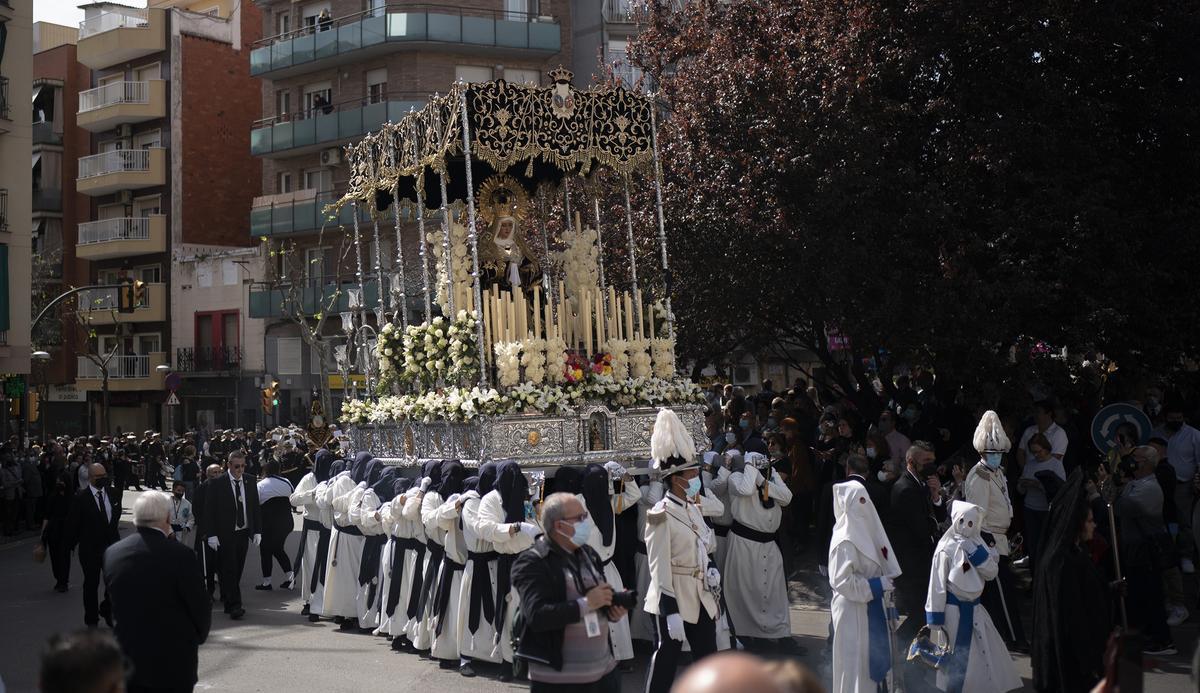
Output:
x,y
879,641
957,669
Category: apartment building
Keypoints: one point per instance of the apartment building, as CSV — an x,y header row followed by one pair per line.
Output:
x,y
16,181
168,176
58,143
603,29
332,71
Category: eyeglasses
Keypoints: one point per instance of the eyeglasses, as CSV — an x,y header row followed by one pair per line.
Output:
x,y
583,516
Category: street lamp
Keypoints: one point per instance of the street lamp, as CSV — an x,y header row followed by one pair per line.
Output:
x,y
43,358
163,369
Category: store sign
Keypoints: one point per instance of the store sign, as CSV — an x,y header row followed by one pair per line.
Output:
x,y
67,393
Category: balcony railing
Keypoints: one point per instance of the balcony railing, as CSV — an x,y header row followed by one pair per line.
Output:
x,y
300,212
47,200
208,359
423,23
310,296
119,229
4,98
117,161
3,209
619,11
330,123
119,368
106,299
130,18
43,133
112,94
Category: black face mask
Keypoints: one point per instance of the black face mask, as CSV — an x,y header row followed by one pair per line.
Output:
x,y
1174,426
929,470
102,482
179,494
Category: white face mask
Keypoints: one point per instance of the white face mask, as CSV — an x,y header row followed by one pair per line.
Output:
x,y
730,438
883,475
871,453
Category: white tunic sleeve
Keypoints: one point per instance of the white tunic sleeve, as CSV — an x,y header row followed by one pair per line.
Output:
x,y
780,493
368,521
710,505
447,513
720,483
628,499
935,601
304,495
430,503
744,483
412,506
845,576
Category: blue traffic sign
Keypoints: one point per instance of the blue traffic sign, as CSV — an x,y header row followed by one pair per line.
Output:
x,y
1104,425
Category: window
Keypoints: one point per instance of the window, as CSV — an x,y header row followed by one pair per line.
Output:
x,y
146,73
311,14
284,184
314,263
145,206
146,140
283,22
216,332
283,104
530,77
628,73
376,7
376,85
473,73
318,98
112,146
148,343
151,274
319,179
287,356
516,10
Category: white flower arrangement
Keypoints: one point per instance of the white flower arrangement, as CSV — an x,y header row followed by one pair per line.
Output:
x,y
459,260
533,360
579,262
463,348
508,363
556,360
663,352
389,350
639,358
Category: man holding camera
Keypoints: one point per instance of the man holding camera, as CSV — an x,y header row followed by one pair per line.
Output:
x,y
566,605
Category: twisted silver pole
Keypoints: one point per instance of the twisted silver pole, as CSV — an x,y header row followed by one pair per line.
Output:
x,y
362,290
419,184
448,308
637,299
600,257
400,283
662,232
473,239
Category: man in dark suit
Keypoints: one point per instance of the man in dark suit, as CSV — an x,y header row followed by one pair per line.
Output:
x,y
915,507
92,528
158,602
231,521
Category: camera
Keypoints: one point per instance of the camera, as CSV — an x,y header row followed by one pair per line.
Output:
x,y
625,598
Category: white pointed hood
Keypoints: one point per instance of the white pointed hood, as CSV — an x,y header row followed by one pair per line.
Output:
x,y
858,522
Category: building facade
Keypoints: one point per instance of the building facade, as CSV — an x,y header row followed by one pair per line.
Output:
x,y
602,32
332,71
168,177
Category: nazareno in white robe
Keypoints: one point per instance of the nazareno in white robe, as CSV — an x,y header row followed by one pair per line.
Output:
x,y
481,644
490,525
755,585
413,625
962,563
367,599
445,644
305,496
345,553
618,631
859,556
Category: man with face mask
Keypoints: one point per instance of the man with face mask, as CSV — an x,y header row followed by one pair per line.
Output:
x,y
685,584
1183,452
92,527
986,486
962,564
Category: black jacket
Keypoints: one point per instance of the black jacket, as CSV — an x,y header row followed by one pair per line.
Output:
x,y
218,514
87,527
539,578
912,528
160,607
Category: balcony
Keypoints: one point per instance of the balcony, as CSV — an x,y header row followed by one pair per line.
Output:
x,y
122,237
208,359
298,212
308,296
362,35
47,200
101,306
43,133
116,103
125,373
301,133
618,11
120,36
122,169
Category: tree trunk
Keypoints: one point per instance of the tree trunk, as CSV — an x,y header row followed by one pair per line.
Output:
x,y
104,402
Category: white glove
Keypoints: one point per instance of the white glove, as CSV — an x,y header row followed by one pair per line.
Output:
x,y
529,529
362,484
425,484
214,543
615,469
886,583
937,635
675,627
257,539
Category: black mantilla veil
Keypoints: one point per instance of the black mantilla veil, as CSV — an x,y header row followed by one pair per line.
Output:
x,y
1071,600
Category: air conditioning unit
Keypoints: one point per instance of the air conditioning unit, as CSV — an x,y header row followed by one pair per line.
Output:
x,y
125,197
331,157
125,130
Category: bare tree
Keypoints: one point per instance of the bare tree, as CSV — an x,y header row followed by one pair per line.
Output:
x,y
88,340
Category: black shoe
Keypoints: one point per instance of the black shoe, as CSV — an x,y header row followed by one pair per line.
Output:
x,y
287,584
314,617
349,624
264,588
466,670
339,619
305,611
446,664
400,644
506,674
237,614
1160,649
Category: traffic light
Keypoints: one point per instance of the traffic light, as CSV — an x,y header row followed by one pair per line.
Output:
x,y
125,302
33,406
139,293
270,397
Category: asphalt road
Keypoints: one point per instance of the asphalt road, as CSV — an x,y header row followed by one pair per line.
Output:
x,y
275,649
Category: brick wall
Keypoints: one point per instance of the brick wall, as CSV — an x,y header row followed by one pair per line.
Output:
x,y
220,102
